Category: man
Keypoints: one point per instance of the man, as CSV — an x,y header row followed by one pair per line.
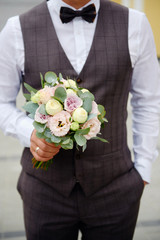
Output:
x,y
98,191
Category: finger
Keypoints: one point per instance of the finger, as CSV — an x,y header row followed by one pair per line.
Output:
x,y
42,153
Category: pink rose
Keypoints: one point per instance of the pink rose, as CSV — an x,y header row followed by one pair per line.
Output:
x,y
41,118
95,108
72,102
60,123
94,124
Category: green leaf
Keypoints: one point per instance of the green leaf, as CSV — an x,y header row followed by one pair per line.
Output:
x,y
29,88
68,146
83,131
47,133
50,77
84,147
55,139
87,104
60,93
80,139
39,127
27,96
42,80
105,120
87,95
66,141
92,115
30,107
39,135
48,140
101,139
60,77
101,110
31,115
42,110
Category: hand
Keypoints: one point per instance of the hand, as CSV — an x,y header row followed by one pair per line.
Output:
x,y
46,150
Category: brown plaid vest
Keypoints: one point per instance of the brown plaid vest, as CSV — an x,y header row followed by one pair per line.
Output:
x,y
107,74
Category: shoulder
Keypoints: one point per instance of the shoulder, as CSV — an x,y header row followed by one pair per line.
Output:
x,y
138,22
12,27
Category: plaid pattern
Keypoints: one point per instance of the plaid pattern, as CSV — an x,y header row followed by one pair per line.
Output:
x,y
110,213
107,73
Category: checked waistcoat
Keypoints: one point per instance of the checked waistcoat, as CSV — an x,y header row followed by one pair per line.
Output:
x,y
107,74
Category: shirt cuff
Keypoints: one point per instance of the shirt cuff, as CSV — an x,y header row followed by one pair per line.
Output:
x,y
24,130
144,169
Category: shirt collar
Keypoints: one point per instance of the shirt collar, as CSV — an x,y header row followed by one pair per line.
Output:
x,y
57,4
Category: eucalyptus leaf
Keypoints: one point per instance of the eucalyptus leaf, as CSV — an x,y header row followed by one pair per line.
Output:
x,y
55,139
48,140
101,139
83,131
42,110
90,116
31,115
47,133
60,93
29,88
80,139
30,107
87,104
50,77
66,141
87,95
60,77
42,80
68,146
27,96
84,147
39,135
105,120
39,127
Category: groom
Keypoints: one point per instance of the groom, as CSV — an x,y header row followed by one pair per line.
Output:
x,y
98,191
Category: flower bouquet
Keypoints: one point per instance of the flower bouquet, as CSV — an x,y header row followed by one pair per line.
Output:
x,y
63,113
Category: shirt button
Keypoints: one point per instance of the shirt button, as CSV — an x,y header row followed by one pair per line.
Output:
x,y
79,80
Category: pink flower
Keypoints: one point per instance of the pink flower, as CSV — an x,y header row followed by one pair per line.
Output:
x,y
45,94
41,118
95,108
60,123
72,102
94,124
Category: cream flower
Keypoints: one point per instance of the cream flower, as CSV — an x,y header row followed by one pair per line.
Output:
x,y
94,124
41,118
60,123
80,115
70,84
53,107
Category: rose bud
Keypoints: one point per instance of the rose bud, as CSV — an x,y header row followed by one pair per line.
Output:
x,y
53,107
80,115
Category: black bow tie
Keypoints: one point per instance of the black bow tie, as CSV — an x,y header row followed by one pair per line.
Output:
x,y
88,14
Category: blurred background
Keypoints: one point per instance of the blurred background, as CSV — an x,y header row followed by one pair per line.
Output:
x,y
11,213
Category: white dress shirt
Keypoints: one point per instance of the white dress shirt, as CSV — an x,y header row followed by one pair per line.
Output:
x,y
78,35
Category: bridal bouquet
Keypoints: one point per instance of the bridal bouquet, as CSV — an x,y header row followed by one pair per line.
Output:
x,y
63,113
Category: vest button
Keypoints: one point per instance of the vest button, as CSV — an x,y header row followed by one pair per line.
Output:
x,y
79,80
